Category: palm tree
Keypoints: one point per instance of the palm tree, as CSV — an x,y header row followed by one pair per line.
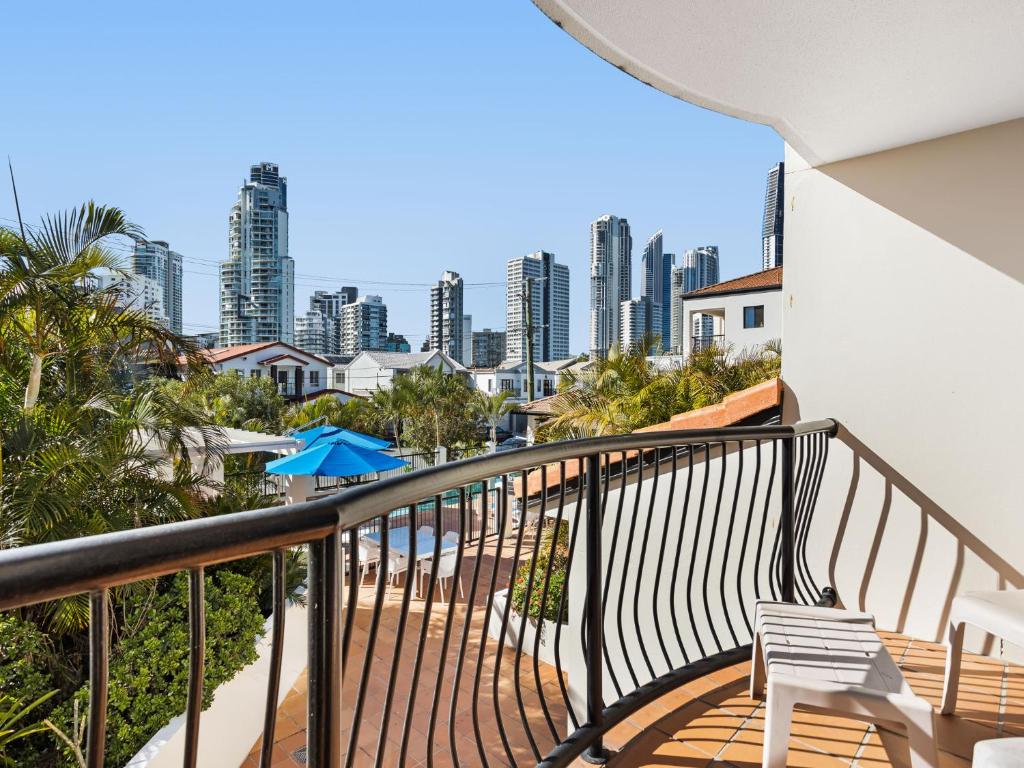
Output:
x,y
48,314
492,409
388,407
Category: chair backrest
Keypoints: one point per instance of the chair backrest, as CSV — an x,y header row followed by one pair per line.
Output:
x,y
425,529
446,564
451,536
369,550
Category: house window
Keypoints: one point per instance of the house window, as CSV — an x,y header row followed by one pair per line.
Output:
x,y
255,373
282,377
753,317
314,378
339,379
506,385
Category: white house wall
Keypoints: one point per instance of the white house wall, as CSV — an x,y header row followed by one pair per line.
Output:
x,y
904,287
735,334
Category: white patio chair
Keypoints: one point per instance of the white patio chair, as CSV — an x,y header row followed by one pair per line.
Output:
x,y
369,554
999,612
445,568
397,564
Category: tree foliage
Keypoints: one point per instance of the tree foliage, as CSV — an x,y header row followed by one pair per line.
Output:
x,y
625,391
149,667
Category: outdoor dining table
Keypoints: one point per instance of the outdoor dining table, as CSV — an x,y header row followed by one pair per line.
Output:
x,y
398,543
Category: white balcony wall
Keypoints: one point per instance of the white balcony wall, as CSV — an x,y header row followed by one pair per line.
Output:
x,y
904,289
728,313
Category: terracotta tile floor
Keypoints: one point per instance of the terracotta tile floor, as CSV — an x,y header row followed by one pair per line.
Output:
x,y
710,722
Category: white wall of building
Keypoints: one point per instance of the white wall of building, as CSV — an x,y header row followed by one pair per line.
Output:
x,y
904,285
728,318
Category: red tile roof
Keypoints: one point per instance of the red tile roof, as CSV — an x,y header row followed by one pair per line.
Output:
x,y
759,281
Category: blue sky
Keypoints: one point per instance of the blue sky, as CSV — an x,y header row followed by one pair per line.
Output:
x,y
416,137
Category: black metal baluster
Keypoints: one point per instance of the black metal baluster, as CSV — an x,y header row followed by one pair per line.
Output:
x,y
448,623
596,753
711,545
501,643
787,554
501,523
371,641
314,694
661,556
424,628
279,580
746,537
638,581
696,546
355,582
728,538
812,506
679,551
764,525
330,721
626,655
611,565
196,659
464,643
562,600
403,616
544,605
99,671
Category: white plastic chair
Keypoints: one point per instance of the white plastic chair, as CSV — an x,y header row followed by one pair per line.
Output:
x,y
445,566
397,564
369,554
1000,613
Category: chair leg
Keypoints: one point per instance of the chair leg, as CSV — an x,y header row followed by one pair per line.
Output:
x,y
757,670
920,734
461,593
778,720
954,651
440,585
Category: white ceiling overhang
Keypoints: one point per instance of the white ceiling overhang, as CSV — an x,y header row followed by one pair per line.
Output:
x,y
835,79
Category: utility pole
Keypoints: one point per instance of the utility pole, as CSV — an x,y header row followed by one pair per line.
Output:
x,y
527,296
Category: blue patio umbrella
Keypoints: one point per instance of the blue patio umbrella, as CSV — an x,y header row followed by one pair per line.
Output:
x,y
334,460
331,434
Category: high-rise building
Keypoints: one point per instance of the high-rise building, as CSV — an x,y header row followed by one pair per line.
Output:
x,y
771,230
699,270
155,259
363,325
656,285
676,335
257,282
319,330
611,259
467,339
636,320
446,316
488,348
134,291
549,298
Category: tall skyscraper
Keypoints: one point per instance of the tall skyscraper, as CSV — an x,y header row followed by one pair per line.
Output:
x,y
656,285
363,326
134,291
319,330
550,302
611,260
155,259
771,230
676,336
446,316
698,270
257,282
637,320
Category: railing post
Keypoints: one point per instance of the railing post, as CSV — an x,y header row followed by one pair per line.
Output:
x,y
787,522
324,697
596,753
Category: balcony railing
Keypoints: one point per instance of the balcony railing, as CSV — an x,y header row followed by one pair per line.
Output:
x,y
664,540
700,343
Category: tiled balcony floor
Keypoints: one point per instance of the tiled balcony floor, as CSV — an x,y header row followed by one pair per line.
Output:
x,y
710,722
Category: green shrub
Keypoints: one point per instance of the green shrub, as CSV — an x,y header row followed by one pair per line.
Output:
x,y
26,657
555,548
149,670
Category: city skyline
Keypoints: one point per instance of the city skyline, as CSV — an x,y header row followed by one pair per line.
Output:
x,y
412,177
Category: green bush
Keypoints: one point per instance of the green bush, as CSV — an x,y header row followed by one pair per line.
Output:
x,y
25,660
554,547
149,670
